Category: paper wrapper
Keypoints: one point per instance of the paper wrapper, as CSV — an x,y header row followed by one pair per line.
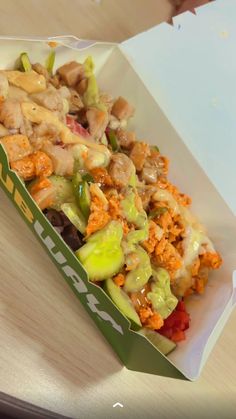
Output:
x,y
182,107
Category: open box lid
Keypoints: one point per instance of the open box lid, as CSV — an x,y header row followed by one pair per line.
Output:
x,y
198,52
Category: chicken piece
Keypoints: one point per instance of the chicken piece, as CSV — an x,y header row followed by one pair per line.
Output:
x,y
30,81
95,159
71,73
40,69
11,115
121,109
97,121
65,92
145,195
115,123
16,146
26,128
44,132
120,169
82,86
75,102
4,87
99,216
139,154
62,159
18,94
24,168
107,100
55,81
36,164
42,163
154,166
211,260
43,193
3,131
50,99
125,138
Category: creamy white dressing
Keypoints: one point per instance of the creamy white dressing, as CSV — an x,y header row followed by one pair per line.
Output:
x,y
196,241
163,195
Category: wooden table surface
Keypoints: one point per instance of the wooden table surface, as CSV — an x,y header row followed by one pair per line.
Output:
x,y
51,353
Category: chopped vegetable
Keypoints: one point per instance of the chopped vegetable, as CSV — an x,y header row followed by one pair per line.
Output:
x,y
50,61
75,216
157,212
123,302
88,178
25,62
89,66
83,199
113,140
175,325
102,255
63,192
91,95
163,344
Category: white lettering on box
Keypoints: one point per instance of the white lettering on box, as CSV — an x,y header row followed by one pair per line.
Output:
x,y
79,285
92,302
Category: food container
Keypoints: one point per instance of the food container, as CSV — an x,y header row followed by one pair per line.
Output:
x,y
180,80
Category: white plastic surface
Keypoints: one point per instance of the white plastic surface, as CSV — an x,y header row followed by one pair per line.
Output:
x,y
190,69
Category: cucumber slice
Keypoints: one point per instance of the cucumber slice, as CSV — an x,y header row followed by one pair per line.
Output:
x,y
76,218
63,192
25,64
163,344
123,302
102,255
50,61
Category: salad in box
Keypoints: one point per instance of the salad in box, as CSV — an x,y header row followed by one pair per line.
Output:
x,y
87,163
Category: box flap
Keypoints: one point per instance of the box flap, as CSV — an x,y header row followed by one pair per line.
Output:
x,y
190,70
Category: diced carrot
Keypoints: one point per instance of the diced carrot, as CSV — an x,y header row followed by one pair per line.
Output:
x,y
211,260
114,207
150,244
125,226
119,280
100,175
144,314
155,322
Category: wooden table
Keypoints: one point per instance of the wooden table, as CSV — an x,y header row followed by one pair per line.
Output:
x,y
51,353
